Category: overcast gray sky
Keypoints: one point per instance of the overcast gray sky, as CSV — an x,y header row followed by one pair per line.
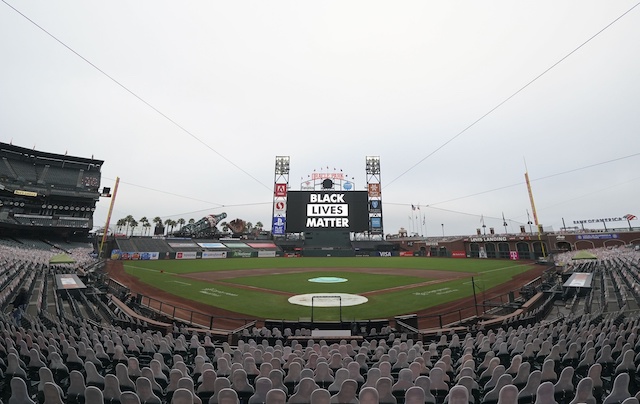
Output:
x,y
329,83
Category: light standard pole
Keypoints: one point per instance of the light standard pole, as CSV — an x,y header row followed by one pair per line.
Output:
x,y
105,193
475,300
442,224
504,223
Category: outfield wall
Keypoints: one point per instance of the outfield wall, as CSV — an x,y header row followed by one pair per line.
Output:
x,y
190,255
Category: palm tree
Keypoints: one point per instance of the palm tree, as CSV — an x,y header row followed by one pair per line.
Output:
x,y
225,226
158,224
167,223
133,224
144,221
192,221
249,227
146,226
120,224
181,222
259,226
129,220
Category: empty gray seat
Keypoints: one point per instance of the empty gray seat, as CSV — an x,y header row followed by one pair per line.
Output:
x,y
508,395
458,395
620,390
584,392
19,392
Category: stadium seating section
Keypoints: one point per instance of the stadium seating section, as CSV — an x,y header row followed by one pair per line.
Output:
x,y
96,346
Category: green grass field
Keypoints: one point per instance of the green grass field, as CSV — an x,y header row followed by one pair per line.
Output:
x,y
229,294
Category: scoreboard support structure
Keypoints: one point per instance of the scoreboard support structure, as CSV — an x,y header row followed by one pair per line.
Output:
x,y
280,189
374,188
328,207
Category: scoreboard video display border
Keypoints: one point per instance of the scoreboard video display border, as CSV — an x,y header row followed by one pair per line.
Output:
x,y
327,210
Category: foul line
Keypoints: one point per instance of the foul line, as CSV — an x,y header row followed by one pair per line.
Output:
x,y
145,269
503,268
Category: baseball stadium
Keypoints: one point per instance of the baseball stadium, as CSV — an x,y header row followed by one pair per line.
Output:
x,y
323,306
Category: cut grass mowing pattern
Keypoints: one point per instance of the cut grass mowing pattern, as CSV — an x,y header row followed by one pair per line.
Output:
x,y
162,274
228,264
298,282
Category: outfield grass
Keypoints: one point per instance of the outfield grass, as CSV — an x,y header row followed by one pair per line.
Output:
x,y
298,282
164,275
444,264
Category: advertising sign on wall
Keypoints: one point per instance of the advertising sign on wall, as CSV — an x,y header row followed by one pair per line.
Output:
x,y
605,236
241,254
214,254
281,190
266,254
116,254
186,255
278,227
374,190
279,208
458,254
149,255
375,206
135,255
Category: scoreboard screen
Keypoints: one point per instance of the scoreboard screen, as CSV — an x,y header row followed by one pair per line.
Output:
x,y
327,210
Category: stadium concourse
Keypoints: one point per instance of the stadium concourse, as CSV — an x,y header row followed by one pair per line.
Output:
x,y
82,344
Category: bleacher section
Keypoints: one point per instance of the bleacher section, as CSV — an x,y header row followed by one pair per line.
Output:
x,y
24,171
62,350
146,244
195,248
47,193
592,360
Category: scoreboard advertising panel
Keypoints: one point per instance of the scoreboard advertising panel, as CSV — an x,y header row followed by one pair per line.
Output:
x,y
327,210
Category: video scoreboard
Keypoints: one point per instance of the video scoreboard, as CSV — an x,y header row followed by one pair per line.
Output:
x,y
327,210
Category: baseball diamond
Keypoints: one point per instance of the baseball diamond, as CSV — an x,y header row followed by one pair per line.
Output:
x,y
395,286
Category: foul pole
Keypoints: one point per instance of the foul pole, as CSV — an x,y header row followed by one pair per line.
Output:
x,y
106,226
533,209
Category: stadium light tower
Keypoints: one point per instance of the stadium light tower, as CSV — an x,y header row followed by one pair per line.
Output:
x,y
280,188
282,165
374,189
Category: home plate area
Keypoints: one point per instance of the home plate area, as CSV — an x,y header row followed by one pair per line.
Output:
x,y
327,299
